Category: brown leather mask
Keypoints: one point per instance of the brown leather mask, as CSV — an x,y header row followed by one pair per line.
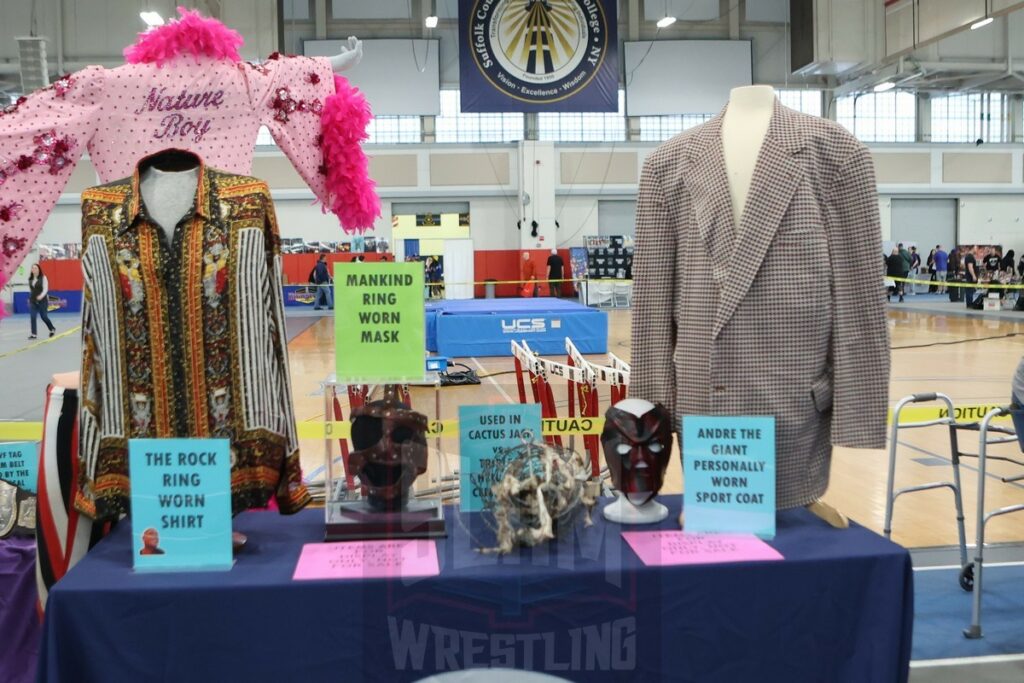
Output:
x,y
637,450
390,442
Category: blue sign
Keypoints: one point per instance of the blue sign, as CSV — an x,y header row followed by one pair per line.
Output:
x,y
538,55
485,432
19,463
57,301
729,470
181,504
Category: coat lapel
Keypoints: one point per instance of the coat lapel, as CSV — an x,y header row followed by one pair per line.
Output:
x,y
776,177
708,187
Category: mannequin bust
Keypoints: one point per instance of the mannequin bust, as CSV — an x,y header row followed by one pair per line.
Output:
x,y
168,195
744,128
168,188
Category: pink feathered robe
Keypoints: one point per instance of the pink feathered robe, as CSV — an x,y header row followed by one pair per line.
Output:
x,y
187,89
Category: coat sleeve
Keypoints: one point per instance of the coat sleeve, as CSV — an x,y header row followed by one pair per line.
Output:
x,y
860,335
42,136
654,295
291,493
91,404
319,121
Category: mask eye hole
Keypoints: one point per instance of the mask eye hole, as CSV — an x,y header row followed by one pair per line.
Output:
x,y
655,447
623,449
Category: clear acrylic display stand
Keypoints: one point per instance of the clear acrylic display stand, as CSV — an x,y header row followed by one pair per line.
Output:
x,y
348,514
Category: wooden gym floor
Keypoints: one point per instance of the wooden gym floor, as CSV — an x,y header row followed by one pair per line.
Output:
x,y
970,372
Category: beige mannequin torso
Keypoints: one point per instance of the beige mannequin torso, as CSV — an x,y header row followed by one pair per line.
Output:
x,y
168,196
743,131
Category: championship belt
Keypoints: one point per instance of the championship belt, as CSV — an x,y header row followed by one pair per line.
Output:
x,y
17,511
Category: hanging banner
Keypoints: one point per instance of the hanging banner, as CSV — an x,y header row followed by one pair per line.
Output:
x,y
538,55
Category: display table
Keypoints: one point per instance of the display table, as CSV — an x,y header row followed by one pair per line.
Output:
x,y
19,621
839,608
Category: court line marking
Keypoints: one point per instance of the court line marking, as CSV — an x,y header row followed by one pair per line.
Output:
x,y
988,565
989,474
956,661
48,340
492,380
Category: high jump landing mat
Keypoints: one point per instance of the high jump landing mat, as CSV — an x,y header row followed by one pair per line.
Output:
x,y
484,327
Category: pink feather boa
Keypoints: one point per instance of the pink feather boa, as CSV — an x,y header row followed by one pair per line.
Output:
x,y
350,192
191,34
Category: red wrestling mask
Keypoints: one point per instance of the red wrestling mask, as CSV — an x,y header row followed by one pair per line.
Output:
x,y
637,442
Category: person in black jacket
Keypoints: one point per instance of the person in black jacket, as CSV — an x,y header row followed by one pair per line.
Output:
x,y
894,266
1007,263
38,301
322,280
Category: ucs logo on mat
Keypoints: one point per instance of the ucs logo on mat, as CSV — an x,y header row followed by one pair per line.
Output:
x,y
539,50
523,326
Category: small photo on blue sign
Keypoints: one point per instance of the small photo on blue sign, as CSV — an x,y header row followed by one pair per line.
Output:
x,y
19,463
729,474
485,435
181,504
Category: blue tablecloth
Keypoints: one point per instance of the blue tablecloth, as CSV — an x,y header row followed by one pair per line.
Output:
x,y
839,608
19,621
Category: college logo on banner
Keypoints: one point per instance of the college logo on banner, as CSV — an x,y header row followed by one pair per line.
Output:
x,y
538,55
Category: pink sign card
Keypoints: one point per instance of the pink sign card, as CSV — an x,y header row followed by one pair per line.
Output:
x,y
399,559
663,548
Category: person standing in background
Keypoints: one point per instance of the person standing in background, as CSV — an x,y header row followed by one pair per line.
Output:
x,y
38,301
1007,263
970,276
528,274
933,287
941,267
322,280
915,268
894,269
905,267
992,262
555,272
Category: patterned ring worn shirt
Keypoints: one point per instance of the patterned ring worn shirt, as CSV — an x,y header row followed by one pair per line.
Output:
x,y
186,339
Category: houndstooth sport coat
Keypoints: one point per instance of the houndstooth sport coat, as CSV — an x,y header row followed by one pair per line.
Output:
x,y
781,315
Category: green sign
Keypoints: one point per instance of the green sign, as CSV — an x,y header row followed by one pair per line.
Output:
x,y
379,330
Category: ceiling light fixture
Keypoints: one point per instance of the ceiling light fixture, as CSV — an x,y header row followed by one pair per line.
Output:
x,y
431,21
882,87
982,23
667,20
151,19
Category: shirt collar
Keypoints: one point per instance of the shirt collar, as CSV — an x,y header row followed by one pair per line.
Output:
x,y
201,202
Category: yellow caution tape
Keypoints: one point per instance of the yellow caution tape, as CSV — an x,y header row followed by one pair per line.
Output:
x,y
947,283
926,413
561,426
33,345
342,429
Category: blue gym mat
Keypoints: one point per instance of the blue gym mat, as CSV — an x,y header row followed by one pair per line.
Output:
x,y
484,327
942,610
